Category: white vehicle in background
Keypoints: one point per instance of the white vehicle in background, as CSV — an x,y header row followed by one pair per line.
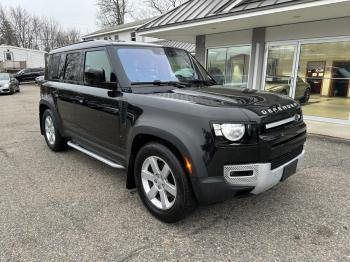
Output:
x,y
8,84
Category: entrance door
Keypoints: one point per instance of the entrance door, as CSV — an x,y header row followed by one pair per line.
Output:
x,y
281,68
340,79
314,75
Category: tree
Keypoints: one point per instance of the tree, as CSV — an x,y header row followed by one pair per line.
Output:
x,y
111,12
22,29
6,32
163,6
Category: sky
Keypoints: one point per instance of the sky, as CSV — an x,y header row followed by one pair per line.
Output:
x,y
79,14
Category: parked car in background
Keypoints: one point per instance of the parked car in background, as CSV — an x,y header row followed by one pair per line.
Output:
x,y
29,74
8,84
39,80
281,85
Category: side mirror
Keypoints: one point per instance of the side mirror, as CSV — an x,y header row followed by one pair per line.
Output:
x,y
94,76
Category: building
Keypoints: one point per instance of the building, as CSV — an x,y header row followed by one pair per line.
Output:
x,y
127,32
13,59
262,44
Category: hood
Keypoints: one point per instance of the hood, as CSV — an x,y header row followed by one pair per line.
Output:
x,y
3,82
261,103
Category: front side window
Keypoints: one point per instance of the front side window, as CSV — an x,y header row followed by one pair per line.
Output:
x,y
149,64
72,71
97,69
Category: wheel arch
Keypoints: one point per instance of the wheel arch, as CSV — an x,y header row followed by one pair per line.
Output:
x,y
148,135
43,106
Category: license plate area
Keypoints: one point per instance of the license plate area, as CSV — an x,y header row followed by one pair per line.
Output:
x,y
289,170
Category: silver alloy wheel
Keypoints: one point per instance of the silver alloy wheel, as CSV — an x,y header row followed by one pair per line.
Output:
x,y
158,182
50,130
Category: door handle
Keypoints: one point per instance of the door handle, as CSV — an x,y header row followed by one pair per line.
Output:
x,y
80,99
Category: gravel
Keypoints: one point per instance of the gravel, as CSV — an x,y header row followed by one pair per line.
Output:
x,y
67,206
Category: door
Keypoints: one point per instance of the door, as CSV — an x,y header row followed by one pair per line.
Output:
x,y
340,79
97,114
280,74
314,75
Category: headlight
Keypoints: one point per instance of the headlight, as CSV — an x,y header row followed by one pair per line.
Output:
x,y
232,132
6,85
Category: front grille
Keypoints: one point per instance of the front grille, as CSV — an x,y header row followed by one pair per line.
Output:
x,y
281,160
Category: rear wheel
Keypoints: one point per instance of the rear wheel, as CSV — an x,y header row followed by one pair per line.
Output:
x,y
162,183
53,138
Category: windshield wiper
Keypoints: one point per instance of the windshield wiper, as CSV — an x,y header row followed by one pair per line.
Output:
x,y
163,83
201,81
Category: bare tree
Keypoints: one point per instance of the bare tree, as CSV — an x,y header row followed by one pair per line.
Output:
x,y
6,31
20,28
111,12
49,31
163,6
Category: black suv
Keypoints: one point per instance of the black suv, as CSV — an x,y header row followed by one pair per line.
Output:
x,y
157,113
29,74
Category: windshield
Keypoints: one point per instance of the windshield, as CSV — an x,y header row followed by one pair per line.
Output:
x,y
150,64
4,76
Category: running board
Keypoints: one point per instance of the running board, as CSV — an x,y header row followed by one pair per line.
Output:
x,y
93,155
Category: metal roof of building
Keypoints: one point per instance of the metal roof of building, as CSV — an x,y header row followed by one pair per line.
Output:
x,y
170,43
118,28
196,10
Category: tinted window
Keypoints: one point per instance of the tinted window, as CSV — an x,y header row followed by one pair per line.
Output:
x,y
54,66
72,72
97,69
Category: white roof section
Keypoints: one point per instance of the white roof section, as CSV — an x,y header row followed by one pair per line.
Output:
x,y
21,48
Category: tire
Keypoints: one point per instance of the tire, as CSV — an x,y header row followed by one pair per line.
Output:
x,y
18,89
179,195
306,96
12,91
53,138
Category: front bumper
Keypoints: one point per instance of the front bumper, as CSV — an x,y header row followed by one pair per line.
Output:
x,y
4,90
262,177
219,188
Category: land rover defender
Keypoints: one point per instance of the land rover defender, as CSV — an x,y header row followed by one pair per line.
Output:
x,y
155,112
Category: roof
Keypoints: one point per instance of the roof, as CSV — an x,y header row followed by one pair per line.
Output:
x,y
103,43
98,43
118,28
197,10
176,44
22,48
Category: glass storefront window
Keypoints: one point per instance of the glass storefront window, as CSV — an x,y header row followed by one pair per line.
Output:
x,y
229,66
279,69
217,64
325,69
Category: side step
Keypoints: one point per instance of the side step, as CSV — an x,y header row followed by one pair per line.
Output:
x,y
93,155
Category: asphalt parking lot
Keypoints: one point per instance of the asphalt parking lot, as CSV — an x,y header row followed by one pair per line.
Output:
x,y
67,206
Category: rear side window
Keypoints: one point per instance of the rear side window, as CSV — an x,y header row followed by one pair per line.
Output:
x,y
54,65
72,71
97,69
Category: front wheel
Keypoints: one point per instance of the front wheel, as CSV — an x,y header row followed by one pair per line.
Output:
x,y
162,183
53,138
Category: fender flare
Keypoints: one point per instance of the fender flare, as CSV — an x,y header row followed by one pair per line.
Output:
x,y
49,104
